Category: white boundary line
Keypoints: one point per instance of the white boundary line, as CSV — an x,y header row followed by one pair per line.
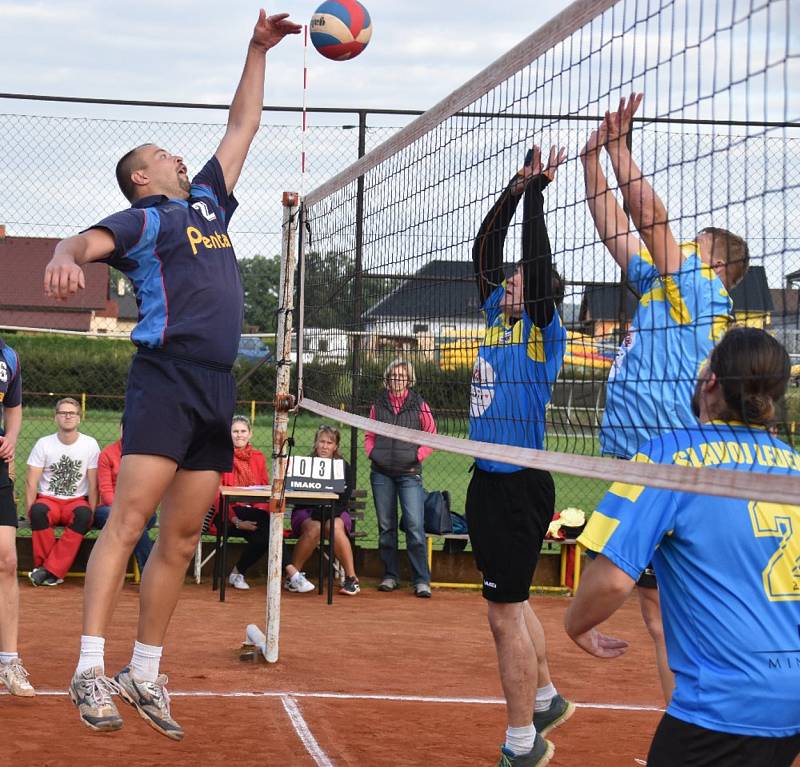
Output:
x,y
368,696
303,732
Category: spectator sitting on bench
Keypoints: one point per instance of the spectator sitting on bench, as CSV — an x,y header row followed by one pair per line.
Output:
x,y
249,521
307,524
107,471
61,489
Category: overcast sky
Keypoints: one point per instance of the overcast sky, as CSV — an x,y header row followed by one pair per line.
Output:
x,y
192,50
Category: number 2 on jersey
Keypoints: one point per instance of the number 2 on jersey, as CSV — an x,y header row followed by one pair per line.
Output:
x,y
782,573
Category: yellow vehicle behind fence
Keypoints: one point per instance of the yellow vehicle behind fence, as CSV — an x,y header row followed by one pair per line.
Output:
x,y
458,349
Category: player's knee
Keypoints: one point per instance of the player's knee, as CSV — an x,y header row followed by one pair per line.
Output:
x,y
178,548
81,520
8,562
39,517
504,618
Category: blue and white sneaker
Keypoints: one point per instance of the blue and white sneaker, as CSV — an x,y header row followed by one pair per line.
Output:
x,y
151,700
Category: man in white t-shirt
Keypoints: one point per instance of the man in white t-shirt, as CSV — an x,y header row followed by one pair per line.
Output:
x,y
61,489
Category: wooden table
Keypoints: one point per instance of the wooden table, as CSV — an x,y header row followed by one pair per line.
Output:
x,y
262,494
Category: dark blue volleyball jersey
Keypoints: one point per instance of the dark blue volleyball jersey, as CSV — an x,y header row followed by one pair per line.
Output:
x,y
10,379
181,262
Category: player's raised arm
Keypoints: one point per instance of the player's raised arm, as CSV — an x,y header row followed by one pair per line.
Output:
x,y
609,218
244,116
63,275
537,256
487,250
648,213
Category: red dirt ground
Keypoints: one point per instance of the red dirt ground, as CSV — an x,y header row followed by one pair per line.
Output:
x,y
378,644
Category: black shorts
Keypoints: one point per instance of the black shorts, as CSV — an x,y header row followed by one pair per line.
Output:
x,y
180,409
680,744
647,580
8,509
507,517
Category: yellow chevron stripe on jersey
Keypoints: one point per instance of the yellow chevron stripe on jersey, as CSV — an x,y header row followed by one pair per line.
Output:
x,y
598,531
678,310
656,293
536,345
624,490
719,324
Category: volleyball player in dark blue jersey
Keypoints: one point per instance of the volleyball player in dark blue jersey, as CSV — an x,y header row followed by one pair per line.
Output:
x,y
174,246
509,507
12,673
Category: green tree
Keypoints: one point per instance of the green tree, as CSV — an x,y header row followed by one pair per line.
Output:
x,y
261,281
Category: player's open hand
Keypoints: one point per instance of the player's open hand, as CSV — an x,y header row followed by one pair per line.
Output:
x,y
600,645
618,124
63,278
597,140
270,30
534,167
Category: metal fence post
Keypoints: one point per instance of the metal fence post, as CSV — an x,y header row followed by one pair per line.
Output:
x,y
358,298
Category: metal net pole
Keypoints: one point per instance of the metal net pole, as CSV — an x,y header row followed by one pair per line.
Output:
x,y
279,432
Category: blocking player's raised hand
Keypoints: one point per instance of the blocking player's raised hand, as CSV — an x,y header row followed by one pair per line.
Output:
x,y
597,139
270,30
618,124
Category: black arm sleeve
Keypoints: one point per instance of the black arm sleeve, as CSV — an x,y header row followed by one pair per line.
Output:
x,y
487,250
537,257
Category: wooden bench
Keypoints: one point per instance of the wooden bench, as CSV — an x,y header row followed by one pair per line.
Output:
x,y
23,523
547,546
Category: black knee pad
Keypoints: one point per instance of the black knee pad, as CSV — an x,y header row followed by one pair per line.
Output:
x,y
82,520
39,520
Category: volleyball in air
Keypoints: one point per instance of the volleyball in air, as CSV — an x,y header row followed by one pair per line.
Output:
x,y
340,29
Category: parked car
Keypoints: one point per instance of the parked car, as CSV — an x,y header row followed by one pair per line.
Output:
x,y
253,349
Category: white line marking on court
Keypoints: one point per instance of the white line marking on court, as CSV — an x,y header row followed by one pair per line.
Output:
x,y
304,733
369,696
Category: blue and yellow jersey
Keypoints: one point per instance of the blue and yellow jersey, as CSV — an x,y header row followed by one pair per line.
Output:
x,y
729,578
512,380
677,322
181,263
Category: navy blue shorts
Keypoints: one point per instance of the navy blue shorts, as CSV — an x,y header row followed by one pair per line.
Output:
x,y
8,508
181,409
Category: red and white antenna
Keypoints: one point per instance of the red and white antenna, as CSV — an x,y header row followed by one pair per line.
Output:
x,y
305,114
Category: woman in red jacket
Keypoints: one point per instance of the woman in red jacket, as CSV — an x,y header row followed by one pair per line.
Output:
x,y
250,522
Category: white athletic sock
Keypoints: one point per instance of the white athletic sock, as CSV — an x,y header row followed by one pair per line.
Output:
x,y
91,653
519,740
145,661
544,695
8,657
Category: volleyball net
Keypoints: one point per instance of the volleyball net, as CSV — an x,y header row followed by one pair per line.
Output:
x,y
409,252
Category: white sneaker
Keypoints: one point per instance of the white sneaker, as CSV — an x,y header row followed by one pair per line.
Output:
x,y
14,676
299,583
238,582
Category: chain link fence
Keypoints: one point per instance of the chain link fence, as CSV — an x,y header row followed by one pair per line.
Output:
x,y
57,178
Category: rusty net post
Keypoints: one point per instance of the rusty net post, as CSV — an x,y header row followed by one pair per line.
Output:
x,y
279,434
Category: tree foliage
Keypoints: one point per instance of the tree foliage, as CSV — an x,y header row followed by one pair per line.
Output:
x,y
261,282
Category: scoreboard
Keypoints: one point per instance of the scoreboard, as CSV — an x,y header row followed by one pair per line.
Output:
x,y
317,474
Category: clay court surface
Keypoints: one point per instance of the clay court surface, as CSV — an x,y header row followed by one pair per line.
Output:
x,y
377,679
